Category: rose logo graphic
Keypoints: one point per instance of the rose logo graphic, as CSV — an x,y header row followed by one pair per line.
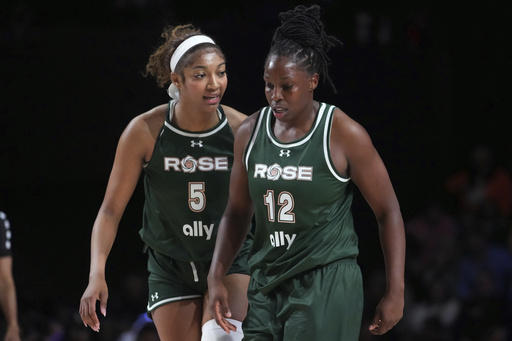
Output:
x,y
274,172
189,164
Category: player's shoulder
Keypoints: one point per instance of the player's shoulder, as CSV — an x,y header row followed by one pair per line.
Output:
x,y
154,116
346,125
246,128
234,117
149,122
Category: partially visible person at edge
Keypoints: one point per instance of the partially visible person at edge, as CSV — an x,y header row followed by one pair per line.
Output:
x,y
296,162
8,300
185,150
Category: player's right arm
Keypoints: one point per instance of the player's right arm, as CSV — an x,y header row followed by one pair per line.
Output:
x,y
233,229
134,148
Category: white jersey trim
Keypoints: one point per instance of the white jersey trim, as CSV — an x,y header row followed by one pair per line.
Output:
x,y
254,136
327,146
174,299
191,134
302,140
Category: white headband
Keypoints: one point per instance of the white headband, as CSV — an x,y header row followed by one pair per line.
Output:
x,y
186,45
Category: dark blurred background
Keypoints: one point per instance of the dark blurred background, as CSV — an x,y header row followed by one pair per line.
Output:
x,y
430,81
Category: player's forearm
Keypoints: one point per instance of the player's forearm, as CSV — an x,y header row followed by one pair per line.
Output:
x,y
226,249
392,237
8,303
232,233
102,238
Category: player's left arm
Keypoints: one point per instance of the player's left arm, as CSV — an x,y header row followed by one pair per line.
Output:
x,y
367,170
8,299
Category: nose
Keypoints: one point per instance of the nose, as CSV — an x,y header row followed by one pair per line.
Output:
x,y
213,84
276,95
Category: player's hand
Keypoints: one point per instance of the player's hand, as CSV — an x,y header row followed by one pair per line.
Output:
x,y
389,311
97,290
218,304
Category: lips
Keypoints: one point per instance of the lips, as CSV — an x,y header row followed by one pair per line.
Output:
x,y
278,110
212,99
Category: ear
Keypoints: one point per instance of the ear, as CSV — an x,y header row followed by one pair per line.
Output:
x,y
176,79
313,82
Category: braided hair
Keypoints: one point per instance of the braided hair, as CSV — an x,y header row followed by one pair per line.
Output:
x,y
302,39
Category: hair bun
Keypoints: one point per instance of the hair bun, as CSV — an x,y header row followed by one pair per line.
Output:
x,y
312,13
301,36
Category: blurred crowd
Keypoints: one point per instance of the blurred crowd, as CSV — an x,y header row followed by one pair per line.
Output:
x,y
459,261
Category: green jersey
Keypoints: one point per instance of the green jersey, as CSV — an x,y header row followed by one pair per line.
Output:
x,y
186,189
302,204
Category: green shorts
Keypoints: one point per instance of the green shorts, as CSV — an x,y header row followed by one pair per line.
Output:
x,y
322,304
171,280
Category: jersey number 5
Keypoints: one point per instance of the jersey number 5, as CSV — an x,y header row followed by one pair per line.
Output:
x,y
196,196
